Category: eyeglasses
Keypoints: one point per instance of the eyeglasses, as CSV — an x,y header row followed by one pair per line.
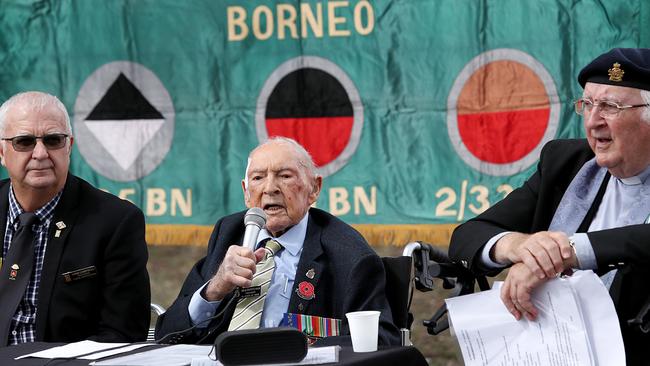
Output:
x,y
607,108
25,143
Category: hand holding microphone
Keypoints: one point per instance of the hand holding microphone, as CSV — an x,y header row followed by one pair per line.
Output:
x,y
254,220
238,265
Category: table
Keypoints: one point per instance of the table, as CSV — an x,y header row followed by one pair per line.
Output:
x,y
406,356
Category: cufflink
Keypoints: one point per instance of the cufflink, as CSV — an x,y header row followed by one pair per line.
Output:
x,y
572,243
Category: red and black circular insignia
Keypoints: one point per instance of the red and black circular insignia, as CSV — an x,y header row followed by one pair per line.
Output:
x,y
305,290
313,101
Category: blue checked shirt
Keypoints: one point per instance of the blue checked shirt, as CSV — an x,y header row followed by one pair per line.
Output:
x,y
23,326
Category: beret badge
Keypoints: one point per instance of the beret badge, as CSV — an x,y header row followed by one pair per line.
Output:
x,y
616,73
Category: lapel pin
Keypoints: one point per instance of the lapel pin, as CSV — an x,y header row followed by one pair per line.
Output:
x,y
13,273
60,226
310,274
305,290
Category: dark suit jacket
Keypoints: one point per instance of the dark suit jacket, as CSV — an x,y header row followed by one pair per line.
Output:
x,y
349,276
104,231
530,209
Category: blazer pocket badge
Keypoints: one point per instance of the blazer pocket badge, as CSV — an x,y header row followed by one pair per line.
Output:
x,y
79,274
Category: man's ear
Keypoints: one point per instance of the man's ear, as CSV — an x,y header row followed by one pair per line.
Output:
x,y
71,143
247,196
315,190
2,153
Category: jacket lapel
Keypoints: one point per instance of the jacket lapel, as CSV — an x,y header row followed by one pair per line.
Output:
x,y
4,209
64,214
304,293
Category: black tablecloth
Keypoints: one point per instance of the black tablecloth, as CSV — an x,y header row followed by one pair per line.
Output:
x,y
403,356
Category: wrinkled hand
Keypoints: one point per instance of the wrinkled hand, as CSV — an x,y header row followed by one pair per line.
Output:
x,y
517,289
545,253
236,270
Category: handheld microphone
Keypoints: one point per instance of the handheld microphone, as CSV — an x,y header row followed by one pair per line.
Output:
x,y
254,220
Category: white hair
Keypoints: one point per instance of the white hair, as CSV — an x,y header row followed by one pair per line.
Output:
x,y
304,158
645,94
35,100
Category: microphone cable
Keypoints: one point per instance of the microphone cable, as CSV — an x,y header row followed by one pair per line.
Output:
x,y
175,335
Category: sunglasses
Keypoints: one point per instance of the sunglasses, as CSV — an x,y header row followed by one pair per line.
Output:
x,y
25,143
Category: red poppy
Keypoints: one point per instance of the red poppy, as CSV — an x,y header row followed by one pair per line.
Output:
x,y
306,290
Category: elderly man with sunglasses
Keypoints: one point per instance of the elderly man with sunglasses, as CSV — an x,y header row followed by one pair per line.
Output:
x,y
74,257
585,207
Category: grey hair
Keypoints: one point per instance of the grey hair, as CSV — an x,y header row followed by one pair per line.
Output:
x,y
304,158
35,100
645,94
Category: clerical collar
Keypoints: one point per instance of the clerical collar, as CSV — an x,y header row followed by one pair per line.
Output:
x,y
293,239
636,179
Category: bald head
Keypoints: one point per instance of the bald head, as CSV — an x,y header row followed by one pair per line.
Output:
x,y
35,101
304,159
281,179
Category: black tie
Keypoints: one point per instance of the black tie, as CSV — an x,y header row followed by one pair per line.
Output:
x,y
16,272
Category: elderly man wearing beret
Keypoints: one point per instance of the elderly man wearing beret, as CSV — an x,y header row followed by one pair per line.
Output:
x,y
586,205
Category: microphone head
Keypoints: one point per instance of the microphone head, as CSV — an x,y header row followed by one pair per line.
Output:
x,y
255,216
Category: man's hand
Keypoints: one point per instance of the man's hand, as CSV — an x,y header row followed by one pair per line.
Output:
x,y
517,289
545,253
236,270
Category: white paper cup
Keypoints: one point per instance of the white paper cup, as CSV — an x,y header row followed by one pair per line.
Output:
x,y
364,326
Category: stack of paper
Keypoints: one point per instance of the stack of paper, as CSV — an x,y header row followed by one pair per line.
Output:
x,y
199,356
576,325
87,350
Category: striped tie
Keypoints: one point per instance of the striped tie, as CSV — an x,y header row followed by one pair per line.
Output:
x,y
248,312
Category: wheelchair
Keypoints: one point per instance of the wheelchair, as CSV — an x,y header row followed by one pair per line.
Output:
x,y
417,268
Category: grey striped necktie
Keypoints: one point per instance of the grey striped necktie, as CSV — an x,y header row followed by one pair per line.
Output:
x,y
248,312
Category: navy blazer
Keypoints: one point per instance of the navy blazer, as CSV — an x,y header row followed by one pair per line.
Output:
x,y
530,209
103,231
348,276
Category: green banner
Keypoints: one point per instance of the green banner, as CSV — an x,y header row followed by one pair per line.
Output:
x,y
417,112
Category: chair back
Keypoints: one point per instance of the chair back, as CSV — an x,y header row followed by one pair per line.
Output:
x,y
399,289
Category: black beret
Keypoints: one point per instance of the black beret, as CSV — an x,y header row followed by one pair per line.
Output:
x,y
628,67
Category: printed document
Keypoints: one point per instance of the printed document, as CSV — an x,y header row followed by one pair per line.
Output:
x,y
577,325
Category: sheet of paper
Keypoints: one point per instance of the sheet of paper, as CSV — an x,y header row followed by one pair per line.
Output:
x,y
198,356
318,355
315,356
600,318
176,355
112,352
489,335
72,350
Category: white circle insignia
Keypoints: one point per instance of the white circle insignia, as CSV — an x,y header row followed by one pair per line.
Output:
x,y
123,121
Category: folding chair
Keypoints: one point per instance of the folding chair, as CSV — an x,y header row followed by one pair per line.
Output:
x,y
158,310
